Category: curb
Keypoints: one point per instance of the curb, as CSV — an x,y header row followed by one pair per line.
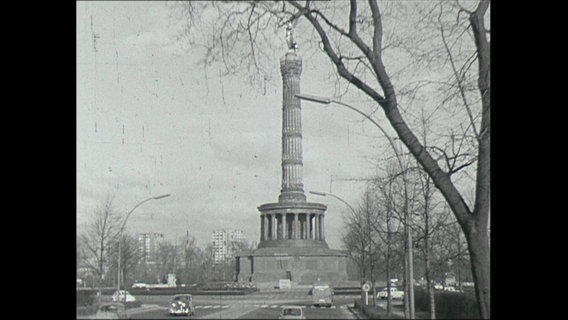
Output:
x,y
144,308
357,313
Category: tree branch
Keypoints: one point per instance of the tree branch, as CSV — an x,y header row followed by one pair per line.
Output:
x,y
459,78
341,69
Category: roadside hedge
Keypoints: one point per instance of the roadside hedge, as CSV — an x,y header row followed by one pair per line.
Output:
x,y
373,312
449,305
85,297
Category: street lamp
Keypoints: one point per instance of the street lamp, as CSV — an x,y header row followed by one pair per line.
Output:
x,y
409,268
323,194
122,229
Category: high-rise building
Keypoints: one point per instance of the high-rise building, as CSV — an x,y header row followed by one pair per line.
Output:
x,y
225,243
148,244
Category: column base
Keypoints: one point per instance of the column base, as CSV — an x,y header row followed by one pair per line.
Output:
x,y
292,244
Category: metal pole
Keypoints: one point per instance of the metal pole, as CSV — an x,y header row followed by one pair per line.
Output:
x,y
120,237
323,194
409,257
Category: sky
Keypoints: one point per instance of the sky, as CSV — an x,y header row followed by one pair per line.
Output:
x,y
150,122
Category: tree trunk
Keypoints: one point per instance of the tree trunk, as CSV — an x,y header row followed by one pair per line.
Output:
x,y
478,241
405,276
389,307
432,299
373,283
429,282
478,244
411,277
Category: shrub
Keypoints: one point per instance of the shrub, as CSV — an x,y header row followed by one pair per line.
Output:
x,y
372,312
85,297
449,305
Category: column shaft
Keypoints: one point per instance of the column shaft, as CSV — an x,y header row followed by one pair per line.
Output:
x,y
316,227
323,227
304,229
310,227
284,227
262,227
272,227
295,227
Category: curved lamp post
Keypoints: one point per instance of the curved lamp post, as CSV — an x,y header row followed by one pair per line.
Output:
x,y
323,194
409,257
122,229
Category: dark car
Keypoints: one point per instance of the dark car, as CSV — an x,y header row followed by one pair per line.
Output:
x,y
181,304
112,310
292,312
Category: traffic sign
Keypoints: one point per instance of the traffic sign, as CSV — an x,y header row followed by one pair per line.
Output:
x,y
366,287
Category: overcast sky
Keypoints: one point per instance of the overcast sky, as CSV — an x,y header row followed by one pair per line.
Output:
x,y
151,122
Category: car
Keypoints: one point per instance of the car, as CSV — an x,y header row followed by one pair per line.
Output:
x,y
112,310
292,312
123,296
181,304
139,285
395,293
322,293
452,289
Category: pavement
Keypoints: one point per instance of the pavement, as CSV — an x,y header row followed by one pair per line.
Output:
x,y
143,308
132,311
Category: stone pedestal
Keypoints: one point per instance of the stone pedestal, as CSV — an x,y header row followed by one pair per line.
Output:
x,y
300,265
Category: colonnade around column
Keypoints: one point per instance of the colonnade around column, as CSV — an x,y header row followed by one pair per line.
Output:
x,y
292,226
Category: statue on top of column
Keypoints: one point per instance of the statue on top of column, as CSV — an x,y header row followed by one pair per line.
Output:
x,y
292,45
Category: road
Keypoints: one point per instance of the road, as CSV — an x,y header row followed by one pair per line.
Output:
x,y
259,305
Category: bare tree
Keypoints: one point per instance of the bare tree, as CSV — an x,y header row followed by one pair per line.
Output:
x,y
431,224
356,246
362,240
354,42
166,256
190,254
99,237
129,256
387,228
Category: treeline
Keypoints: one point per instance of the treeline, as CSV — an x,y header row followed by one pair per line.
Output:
x,y
98,262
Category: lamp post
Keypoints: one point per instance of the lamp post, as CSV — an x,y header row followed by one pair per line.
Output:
x,y
120,235
323,194
364,291
409,258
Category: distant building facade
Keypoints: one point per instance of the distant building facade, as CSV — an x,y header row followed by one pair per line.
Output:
x,y
225,243
148,244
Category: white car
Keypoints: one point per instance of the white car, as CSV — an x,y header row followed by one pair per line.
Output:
x,y
452,289
395,293
139,285
123,296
